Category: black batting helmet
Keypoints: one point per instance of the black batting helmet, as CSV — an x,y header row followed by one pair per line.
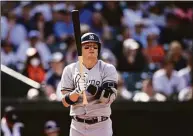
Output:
x,y
91,37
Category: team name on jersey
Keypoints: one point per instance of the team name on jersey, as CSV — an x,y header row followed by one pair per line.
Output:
x,y
94,82
88,81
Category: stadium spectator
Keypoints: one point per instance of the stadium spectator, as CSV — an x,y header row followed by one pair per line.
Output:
x,y
123,92
33,67
132,59
85,13
4,27
97,24
8,56
177,55
44,8
24,17
113,14
39,24
57,65
63,28
34,42
84,28
51,128
156,14
167,80
185,73
71,52
171,31
108,57
118,48
138,33
107,38
154,52
56,7
184,12
10,125
132,13
187,93
148,94
14,32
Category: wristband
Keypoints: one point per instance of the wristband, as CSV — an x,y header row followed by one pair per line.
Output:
x,y
68,100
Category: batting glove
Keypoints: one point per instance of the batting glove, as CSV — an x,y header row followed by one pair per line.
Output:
x,y
82,85
92,89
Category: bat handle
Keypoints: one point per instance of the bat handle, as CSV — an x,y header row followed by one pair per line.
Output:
x,y
85,102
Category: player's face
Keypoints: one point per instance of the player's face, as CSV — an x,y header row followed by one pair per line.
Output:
x,y
90,50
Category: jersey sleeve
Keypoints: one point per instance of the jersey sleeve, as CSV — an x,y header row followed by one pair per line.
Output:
x,y
110,74
67,79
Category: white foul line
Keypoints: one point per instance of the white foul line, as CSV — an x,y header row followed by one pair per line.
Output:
x,y
20,77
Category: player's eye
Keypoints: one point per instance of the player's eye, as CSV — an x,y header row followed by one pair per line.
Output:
x,y
87,47
95,47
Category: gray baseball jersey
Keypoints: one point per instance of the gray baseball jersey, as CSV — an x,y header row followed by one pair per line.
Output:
x,y
101,73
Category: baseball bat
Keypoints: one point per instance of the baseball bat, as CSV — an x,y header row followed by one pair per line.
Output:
x,y
77,34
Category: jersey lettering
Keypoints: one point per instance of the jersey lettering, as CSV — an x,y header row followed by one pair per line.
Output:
x,y
94,82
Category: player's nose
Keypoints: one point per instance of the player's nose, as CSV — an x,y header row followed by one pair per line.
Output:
x,y
91,48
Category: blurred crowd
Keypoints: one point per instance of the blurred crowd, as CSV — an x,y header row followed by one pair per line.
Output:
x,y
150,43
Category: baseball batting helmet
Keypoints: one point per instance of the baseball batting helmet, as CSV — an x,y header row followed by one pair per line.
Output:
x,y
91,37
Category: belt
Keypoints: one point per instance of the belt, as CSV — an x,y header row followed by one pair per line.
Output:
x,y
90,121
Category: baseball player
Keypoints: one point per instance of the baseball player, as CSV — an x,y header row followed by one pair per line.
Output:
x,y
100,82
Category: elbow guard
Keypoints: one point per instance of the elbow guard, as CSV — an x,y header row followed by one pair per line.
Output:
x,y
108,95
109,85
107,92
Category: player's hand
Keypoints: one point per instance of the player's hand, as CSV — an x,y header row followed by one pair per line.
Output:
x,y
82,84
92,89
